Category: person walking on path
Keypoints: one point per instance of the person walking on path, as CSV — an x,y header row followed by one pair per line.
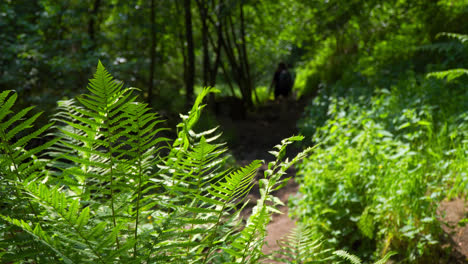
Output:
x,y
282,81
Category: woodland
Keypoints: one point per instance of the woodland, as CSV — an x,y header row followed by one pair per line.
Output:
x,y
148,132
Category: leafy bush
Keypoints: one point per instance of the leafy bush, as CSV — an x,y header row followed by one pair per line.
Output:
x,y
382,166
104,186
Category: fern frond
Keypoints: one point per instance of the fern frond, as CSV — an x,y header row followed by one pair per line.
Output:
x,y
19,165
460,37
229,192
449,74
366,223
107,155
73,230
188,121
38,234
14,152
144,146
235,185
93,133
5,107
191,171
346,256
356,260
301,246
385,258
247,248
203,195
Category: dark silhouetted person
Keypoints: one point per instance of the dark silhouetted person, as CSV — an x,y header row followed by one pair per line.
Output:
x,y
282,81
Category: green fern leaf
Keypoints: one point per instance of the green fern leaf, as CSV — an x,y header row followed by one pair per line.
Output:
x,y
39,235
301,246
5,107
460,37
366,223
247,247
349,257
385,258
449,74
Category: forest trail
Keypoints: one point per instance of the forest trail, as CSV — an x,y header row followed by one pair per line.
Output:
x,y
253,138
260,131
456,235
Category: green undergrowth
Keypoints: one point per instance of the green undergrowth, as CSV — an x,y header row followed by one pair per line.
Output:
x,y
382,166
100,184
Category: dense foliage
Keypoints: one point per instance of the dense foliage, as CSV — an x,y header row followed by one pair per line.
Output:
x,y
390,118
100,189
385,162
96,180
165,47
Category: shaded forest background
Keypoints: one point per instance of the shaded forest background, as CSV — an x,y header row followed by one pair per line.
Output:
x,y
169,49
383,84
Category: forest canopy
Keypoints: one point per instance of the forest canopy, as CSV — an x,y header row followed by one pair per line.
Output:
x,y
169,48
117,163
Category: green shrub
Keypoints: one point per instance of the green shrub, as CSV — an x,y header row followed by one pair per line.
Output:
x,y
382,166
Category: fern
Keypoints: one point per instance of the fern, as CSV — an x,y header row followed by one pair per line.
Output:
x,y
100,191
460,37
38,234
448,74
210,193
144,148
115,147
107,124
366,223
18,167
14,157
229,193
355,260
70,226
91,144
247,248
349,257
451,74
301,246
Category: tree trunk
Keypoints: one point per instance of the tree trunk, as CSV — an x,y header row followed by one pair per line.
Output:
x,y
244,57
239,62
217,61
190,75
92,22
203,11
152,54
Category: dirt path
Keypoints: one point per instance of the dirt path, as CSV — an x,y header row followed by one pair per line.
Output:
x,y
281,224
456,236
254,137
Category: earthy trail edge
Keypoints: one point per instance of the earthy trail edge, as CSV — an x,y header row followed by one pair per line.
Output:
x,y
281,224
253,138
456,236
255,135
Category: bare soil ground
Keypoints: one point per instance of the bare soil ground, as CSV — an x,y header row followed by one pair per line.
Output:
x,y
255,136
451,212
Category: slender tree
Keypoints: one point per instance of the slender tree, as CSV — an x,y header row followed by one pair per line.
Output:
x,y
152,53
203,11
190,70
235,48
92,23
